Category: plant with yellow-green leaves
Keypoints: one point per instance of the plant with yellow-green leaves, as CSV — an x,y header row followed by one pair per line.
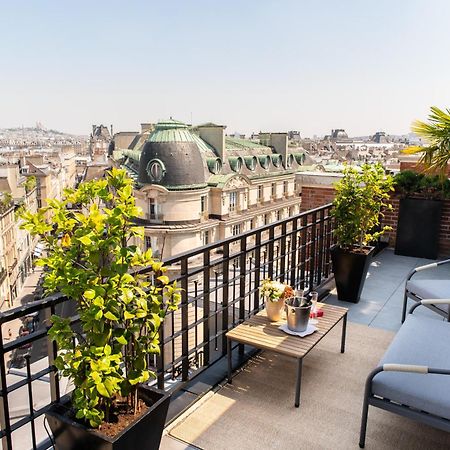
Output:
x,y
92,259
436,155
361,196
30,183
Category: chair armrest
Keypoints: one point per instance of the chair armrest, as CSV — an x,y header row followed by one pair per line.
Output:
x,y
413,368
409,368
430,301
426,267
405,368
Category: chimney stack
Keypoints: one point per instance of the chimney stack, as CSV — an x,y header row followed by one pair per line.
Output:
x,y
279,142
214,135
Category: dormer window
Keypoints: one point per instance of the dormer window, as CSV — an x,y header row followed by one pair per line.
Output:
x,y
156,170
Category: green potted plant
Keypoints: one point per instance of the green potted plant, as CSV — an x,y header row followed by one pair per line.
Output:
x,y
419,214
361,196
92,258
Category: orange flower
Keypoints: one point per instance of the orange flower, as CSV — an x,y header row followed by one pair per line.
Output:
x,y
288,292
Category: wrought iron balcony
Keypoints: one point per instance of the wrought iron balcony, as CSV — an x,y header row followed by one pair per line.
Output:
x,y
220,285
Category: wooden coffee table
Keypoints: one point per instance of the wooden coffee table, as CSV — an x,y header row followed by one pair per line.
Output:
x,y
258,331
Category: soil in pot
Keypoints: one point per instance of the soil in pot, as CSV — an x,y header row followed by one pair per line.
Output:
x,y
126,431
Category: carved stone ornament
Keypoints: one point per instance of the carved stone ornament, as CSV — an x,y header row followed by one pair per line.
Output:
x,y
236,183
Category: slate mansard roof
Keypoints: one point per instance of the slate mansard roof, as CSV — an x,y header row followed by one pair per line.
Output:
x,y
174,155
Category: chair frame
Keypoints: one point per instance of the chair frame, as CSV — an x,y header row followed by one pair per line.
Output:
x,y
414,297
401,409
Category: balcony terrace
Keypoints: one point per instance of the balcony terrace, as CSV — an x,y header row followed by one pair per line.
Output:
x,y
257,408
220,283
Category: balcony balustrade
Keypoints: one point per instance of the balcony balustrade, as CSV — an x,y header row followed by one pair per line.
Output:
x,y
220,285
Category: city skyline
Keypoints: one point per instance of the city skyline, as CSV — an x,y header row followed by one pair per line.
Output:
x,y
253,66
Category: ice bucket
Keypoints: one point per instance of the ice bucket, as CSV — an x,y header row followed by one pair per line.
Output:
x,y
297,316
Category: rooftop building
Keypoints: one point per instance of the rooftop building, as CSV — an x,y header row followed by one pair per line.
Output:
x,y
197,186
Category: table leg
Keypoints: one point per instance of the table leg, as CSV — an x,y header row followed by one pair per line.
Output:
x,y
344,331
229,359
299,380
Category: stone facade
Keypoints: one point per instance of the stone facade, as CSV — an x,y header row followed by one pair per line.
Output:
x,y
197,186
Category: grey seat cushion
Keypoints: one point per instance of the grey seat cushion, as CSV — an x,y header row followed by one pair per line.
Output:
x,y
421,341
430,289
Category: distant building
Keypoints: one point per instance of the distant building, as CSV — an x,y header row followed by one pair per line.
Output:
x,y
294,136
339,134
197,186
380,137
99,142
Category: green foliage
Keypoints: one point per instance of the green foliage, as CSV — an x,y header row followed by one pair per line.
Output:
x,y
409,183
5,201
361,197
30,184
436,132
92,259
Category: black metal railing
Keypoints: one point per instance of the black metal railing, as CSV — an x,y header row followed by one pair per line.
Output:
x,y
220,285
221,282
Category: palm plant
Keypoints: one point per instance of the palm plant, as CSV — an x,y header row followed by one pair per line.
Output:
x,y
436,155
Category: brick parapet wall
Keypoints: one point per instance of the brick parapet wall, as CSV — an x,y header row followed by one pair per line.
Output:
x,y
314,196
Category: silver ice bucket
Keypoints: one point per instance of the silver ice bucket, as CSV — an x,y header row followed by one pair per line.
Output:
x,y
297,316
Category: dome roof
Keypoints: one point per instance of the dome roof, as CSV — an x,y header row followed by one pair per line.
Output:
x,y
172,156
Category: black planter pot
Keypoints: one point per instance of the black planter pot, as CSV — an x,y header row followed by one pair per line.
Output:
x,y
350,270
418,228
143,434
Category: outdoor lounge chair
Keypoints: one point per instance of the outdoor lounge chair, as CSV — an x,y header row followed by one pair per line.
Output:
x,y
413,377
421,289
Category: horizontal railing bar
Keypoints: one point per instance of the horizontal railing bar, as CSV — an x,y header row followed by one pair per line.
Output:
x,y
261,229
26,380
32,307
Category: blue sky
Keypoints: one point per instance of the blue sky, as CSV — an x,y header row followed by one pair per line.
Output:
x,y
251,65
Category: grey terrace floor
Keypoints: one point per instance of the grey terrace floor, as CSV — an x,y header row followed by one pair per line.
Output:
x,y
382,296
380,305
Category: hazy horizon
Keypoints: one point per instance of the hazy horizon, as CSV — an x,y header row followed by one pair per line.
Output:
x,y
252,66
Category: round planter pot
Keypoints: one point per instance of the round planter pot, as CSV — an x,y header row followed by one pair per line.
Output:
x,y
144,433
274,310
350,270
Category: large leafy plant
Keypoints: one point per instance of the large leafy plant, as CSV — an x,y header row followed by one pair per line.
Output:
x,y
361,196
408,183
92,259
436,155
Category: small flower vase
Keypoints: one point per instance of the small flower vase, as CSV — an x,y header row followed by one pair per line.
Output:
x,y
273,309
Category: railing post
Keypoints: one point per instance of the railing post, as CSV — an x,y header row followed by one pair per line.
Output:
x,y
312,258
160,360
257,269
242,273
329,239
4,406
303,236
206,292
225,294
282,253
52,354
184,320
271,252
293,250
321,246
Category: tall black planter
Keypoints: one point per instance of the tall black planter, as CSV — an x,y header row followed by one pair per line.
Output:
x,y
418,228
144,433
350,270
